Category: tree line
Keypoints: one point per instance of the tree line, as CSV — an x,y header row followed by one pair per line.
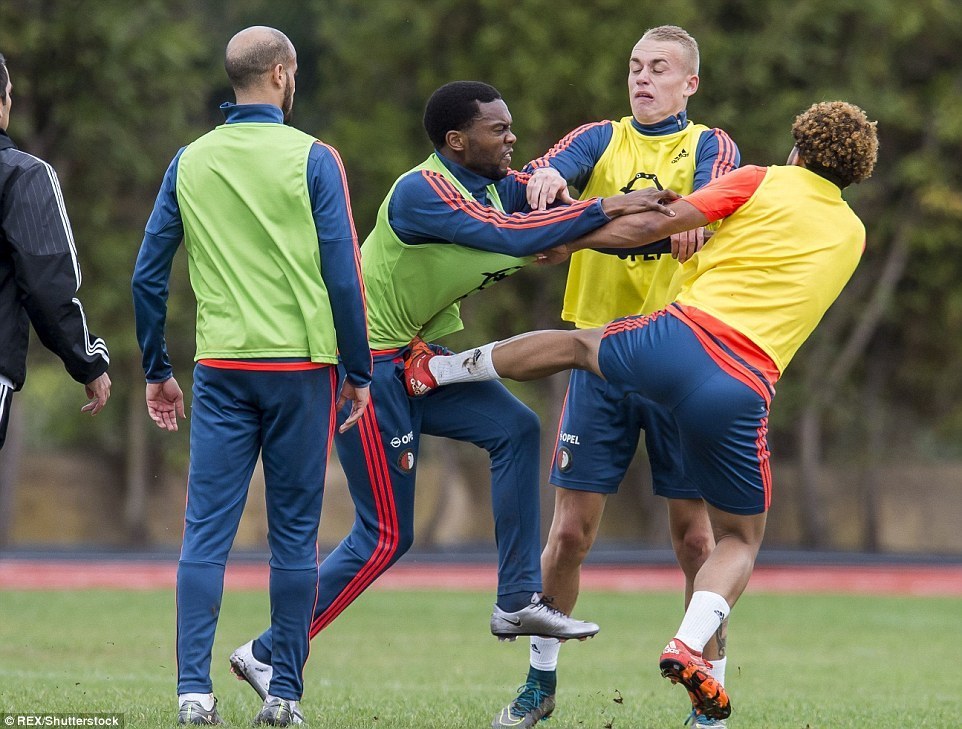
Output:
x,y
108,91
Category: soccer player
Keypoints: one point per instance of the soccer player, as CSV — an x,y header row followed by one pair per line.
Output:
x,y
265,215
39,275
657,146
742,306
454,225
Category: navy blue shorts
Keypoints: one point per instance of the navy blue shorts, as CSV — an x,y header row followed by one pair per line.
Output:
x,y
719,403
598,437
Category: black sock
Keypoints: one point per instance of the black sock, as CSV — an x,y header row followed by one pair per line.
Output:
x,y
512,602
260,652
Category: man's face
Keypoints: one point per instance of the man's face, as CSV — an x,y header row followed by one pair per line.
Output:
x,y
659,81
5,105
489,141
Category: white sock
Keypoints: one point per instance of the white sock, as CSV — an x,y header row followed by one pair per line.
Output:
x,y
717,670
544,653
705,613
205,700
472,365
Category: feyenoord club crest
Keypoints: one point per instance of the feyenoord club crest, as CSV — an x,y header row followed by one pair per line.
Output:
x,y
564,459
406,460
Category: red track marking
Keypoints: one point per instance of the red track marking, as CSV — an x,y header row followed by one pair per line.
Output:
x,y
927,580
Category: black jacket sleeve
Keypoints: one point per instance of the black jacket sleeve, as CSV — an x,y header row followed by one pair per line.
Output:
x,y
47,271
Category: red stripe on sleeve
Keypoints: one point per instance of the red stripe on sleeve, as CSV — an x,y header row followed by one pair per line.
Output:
x,y
357,248
492,216
723,196
725,161
563,144
350,215
522,177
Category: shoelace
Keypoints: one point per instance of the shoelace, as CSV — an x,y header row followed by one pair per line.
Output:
x,y
530,697
542,605
693,718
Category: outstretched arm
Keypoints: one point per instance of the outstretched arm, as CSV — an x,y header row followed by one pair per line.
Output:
x,y
640,233
717,200
428,208
631,231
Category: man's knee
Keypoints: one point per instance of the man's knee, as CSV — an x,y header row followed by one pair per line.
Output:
x,y
522,428
574,527
377,532
694,547
569,542
692,535
584,346
404,542
747,529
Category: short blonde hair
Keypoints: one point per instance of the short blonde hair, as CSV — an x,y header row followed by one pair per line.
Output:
x,y
837,138
674,34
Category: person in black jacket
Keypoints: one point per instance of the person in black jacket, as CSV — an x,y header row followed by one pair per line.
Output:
x,y
40,275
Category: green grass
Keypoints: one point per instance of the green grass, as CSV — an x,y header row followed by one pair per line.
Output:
x,y
406,660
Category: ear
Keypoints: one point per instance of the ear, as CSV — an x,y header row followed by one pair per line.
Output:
x,y
795,158
692,85
455,140
278,75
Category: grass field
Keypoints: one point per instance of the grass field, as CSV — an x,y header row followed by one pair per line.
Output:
x,y
423,660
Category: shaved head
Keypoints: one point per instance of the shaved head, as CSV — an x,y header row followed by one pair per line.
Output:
x,y
253,53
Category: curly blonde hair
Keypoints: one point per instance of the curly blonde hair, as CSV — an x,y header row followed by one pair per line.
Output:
x,y
836,140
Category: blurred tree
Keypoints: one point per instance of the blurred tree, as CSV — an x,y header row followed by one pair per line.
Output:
x,y
902,65
106,92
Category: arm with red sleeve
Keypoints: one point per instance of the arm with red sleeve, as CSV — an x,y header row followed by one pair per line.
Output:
x,y
427,208
575,155
716,155
715,201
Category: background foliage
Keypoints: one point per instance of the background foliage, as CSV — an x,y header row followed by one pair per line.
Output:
x,y
108,91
